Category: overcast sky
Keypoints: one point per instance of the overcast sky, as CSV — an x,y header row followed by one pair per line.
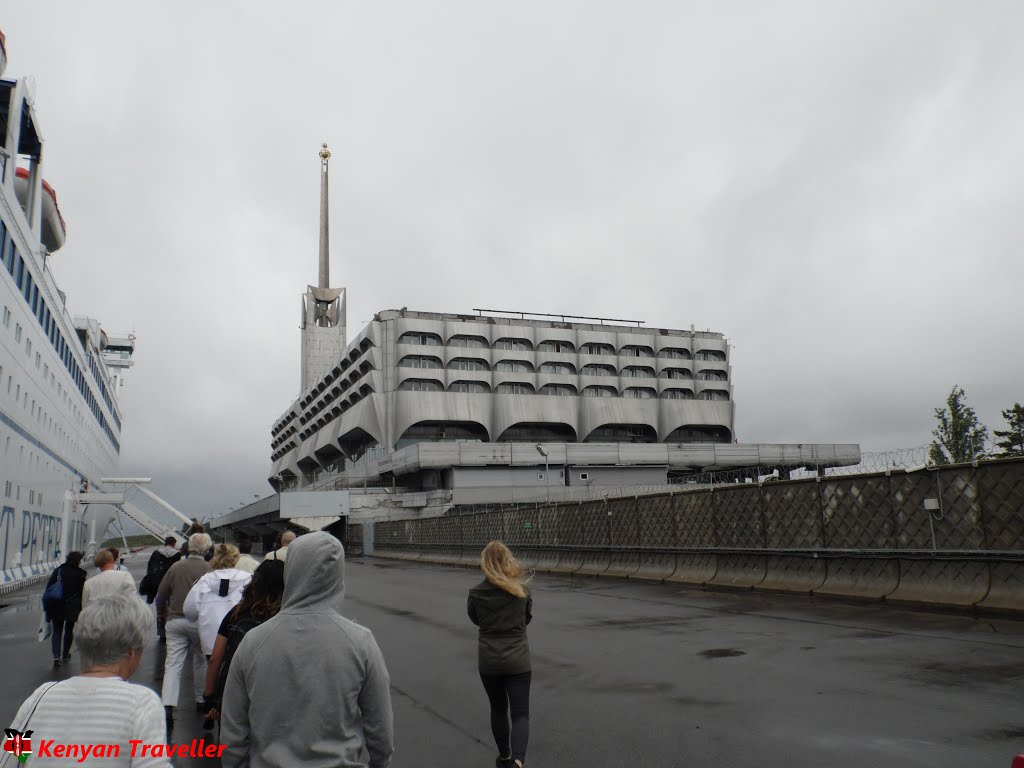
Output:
x,y
835,186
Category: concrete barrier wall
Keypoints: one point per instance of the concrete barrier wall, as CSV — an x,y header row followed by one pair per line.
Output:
x,y
951,536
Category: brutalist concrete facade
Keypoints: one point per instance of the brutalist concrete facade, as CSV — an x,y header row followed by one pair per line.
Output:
x,y
411,377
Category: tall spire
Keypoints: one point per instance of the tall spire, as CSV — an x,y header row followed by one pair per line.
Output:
x,y
325,263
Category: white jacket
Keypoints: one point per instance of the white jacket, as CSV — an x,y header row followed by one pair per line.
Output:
x,y
207,606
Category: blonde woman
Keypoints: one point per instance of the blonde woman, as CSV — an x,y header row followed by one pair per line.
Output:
x,y
502,607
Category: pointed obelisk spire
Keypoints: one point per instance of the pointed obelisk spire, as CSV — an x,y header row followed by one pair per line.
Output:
x,y
323,307
325,258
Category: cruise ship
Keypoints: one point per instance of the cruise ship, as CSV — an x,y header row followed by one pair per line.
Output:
x,y
60,374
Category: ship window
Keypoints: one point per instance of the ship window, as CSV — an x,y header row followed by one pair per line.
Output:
x,y
594,348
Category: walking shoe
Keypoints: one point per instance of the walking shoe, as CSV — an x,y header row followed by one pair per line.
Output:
x,y
67,656
504,762
56,663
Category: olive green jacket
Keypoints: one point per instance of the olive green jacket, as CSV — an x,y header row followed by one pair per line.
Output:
x,y
503,648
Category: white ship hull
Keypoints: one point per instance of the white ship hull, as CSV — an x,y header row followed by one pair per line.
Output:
x,y
60,423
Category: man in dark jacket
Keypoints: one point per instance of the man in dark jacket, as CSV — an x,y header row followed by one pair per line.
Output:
x,y
64,614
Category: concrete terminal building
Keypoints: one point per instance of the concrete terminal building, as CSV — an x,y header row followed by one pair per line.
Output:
x,y
445,409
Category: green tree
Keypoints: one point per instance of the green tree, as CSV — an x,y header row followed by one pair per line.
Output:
x,y
1012,443
959,438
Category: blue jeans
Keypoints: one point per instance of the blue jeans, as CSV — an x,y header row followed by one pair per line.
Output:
x,y
65,630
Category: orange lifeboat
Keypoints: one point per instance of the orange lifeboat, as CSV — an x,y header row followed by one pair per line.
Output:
x,y
54,228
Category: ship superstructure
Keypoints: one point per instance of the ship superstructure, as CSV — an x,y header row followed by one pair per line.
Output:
x,y
60,422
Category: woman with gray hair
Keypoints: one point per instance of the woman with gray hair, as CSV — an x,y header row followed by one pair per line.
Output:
x,y
99,707
182,634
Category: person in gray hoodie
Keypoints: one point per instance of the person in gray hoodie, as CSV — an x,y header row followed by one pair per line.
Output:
x,y
308,687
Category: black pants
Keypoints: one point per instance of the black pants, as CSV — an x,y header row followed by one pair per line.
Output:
x,y
62,630
509,692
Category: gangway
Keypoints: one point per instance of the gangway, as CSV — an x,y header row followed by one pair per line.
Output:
x,y
120,500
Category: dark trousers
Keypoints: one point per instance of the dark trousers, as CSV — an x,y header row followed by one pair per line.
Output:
x,y
62,630
509,692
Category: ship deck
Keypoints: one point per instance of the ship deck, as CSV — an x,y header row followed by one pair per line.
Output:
x,y
635,674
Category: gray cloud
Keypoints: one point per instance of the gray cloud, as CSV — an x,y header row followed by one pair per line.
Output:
x,y
832,185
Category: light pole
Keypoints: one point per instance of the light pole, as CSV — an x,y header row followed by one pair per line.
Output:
x,y
547,480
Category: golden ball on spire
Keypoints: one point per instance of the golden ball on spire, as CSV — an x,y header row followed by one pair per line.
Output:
x,y
324,152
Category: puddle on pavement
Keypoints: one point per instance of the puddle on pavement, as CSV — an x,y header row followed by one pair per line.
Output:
x,y
721,653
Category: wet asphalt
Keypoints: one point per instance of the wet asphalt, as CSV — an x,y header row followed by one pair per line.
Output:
x,y
634,674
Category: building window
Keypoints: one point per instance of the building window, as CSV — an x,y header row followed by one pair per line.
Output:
x,y
634,350
674,353
421,385
594,348
638,372
639,393
17,331
472,342
561,368
522,345
710,354
472,387
676,373
596,369
597,391
677,394
558,390
419,361
513,366
420,337
467,364
713,394
712,375
564,347
584,475
514,388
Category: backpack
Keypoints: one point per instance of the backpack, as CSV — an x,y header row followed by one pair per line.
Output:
x,y
236,631
155,570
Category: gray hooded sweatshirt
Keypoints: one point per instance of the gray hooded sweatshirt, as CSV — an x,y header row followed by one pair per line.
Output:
x,y
308,687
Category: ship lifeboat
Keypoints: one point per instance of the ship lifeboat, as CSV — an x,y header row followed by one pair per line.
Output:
x,y
54,228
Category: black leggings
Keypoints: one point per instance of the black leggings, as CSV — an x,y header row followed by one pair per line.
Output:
x,y
505,692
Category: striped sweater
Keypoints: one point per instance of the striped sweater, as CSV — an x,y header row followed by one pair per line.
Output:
x,y
92,711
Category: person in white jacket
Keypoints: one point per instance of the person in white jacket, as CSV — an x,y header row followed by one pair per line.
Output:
x,y
216,593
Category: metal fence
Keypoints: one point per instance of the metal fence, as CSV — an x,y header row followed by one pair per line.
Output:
x,y
950,534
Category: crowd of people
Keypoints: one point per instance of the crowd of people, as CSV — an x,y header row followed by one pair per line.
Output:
x,y
251,629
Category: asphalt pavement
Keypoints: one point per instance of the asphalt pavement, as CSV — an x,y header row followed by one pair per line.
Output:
x,y
634,674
